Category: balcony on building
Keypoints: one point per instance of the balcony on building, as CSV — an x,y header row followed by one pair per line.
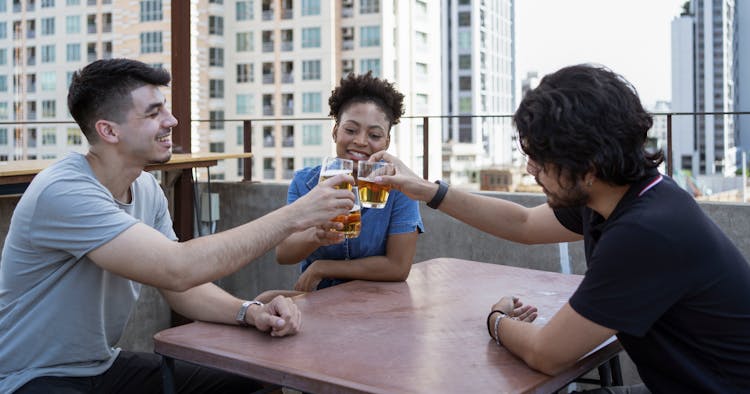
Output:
x,y
268,77
267,40
267,10
287,72
268,105
287,9
287,40
288,100
288,136
268,139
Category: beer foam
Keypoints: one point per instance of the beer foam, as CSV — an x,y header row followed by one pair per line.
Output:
x,y
332,173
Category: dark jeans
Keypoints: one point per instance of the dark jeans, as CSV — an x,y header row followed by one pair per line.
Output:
x,y
141,373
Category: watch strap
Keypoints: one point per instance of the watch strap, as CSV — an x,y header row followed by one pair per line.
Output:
x,y
439,196
240,318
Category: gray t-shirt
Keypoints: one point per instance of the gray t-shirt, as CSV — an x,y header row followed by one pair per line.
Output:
x,y
61,314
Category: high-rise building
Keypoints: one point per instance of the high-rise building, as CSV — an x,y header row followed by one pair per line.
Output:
x,y
478,85
272,61
704,80
743,76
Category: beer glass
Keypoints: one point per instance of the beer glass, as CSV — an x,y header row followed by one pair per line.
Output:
x,y
352,221
333,166
371,194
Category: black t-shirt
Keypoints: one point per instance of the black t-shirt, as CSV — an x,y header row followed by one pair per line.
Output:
x,y
676,289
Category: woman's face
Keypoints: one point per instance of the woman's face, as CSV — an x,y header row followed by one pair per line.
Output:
x,y
363,129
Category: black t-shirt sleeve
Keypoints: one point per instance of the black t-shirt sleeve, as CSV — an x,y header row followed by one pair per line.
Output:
x,y
570,218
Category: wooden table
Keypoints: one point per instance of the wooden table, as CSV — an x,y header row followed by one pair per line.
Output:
x,y
425,335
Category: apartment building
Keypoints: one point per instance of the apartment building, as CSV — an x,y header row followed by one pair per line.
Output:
x,y
270,61
478,86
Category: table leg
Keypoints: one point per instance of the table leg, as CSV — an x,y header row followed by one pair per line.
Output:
x,y
614,365
167,374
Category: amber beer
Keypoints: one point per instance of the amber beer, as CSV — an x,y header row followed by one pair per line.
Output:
x,y
371,194
352,222
332,173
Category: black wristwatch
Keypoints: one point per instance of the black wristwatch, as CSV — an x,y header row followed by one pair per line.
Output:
x,y
439,196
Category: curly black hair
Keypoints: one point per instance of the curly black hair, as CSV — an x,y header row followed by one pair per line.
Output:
x,y
101,90
583,118
365,88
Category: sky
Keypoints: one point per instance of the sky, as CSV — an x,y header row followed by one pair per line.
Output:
x,y
631,37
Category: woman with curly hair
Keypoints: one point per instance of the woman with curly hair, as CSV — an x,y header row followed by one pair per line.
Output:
x,y
364,108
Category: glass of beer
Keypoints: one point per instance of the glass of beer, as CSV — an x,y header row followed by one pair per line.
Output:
x,y
333,166
352,221
371,194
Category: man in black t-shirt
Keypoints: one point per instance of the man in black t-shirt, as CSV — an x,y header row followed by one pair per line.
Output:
x,y
661,275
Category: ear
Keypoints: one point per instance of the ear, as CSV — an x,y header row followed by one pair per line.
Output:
x,y
334,131
106,131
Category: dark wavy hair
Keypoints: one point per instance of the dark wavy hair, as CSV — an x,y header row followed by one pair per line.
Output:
x,y
366,88
583,118
101,90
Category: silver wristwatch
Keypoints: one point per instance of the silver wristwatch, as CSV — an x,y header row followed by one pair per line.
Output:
x,y
240,318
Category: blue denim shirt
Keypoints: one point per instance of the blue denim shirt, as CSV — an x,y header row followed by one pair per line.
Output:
x,y
400,215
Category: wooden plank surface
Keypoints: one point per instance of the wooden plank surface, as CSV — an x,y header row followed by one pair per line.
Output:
x,y
427,334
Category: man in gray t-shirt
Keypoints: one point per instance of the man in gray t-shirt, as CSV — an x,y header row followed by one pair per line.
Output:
x,y
91,228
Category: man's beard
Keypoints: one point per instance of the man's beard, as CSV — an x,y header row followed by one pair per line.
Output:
x,y
575,196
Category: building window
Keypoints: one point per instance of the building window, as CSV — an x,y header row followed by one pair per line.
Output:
x,y
48,80
464,62
312,134
369,6
245,104
216,57
151,42
269,168
73,52
216,88
215,25
311,37
369,36
73,24
310,7
151,10
216,147
464,40
310,70
3,30
216,120
74,136
311,102
240,136
46,3
464,18
48,109
49,136
244,10
421,69
48,53
245,41
464,83
245,72
373,65
464,105
311,161
3,110
3,136
48,26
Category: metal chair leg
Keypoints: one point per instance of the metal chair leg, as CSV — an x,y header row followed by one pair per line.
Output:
x,y
167,374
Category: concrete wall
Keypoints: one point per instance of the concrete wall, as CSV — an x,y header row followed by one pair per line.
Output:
x,y
444,237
